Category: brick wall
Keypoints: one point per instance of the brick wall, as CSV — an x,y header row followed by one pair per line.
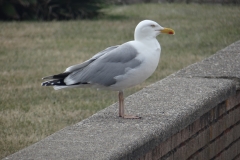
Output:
x,y
215,135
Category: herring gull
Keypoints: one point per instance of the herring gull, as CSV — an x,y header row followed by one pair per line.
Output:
x,y
117,67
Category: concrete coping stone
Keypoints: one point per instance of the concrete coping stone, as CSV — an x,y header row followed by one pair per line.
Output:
x,y
225,64
166,107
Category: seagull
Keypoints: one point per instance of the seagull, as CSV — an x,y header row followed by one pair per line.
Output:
x,y
117,67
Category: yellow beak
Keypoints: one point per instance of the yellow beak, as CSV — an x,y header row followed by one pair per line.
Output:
x,y
168,31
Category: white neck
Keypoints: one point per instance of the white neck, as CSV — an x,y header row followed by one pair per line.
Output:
x,y
150,42
141,37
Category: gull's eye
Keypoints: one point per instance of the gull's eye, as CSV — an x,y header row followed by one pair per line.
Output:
x,y
153,25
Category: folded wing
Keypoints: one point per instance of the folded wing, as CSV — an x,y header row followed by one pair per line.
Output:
x,y
101,69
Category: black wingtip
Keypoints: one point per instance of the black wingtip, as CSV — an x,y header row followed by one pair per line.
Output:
x,y
48,83
58,82
43,84
58,76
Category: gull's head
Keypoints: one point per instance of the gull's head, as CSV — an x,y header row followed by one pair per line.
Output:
x,y
149,29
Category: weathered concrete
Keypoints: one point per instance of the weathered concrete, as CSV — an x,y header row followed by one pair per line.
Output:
x,y
166,107
225,64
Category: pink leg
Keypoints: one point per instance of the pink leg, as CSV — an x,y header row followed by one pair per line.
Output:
x,y
121,108
121,104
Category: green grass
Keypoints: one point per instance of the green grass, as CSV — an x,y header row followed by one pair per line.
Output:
x,y
31,50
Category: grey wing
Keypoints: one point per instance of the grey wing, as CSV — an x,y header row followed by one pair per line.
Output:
x,y
96,56
104,69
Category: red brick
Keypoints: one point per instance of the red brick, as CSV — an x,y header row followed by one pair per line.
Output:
x,y
231,152
192,147
176,139
237,114
215,129
236,134
221,109
185,134
195,127
170,158
179,154
204,138
230,119
223,123
225,140
162,149
156,152
217,148
233,101
166,146
148,156
202,155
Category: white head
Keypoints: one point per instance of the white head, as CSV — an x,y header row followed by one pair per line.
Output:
x,y
148,29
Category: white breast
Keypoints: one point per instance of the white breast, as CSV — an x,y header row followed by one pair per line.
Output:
x,y
149,56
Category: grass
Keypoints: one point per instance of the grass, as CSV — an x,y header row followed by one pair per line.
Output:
x,y
31,50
